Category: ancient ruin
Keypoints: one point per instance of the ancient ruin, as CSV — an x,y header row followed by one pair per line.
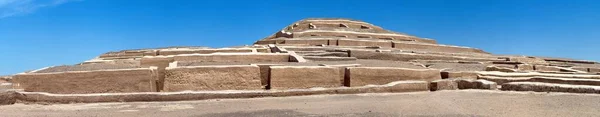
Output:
x,y
311,56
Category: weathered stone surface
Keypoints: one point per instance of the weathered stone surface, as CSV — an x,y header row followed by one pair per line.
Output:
x,y
296,58
525,67
443,84
235,57
361,76
385,44
102,81
161,62
342,70
5,86
371,54
166,52
298,77
226,77
581,69
8,98
595,70
265,72
394,87
500,69
549,87
476,84
307,42
459,75
329,58
529,60
546,68
435,48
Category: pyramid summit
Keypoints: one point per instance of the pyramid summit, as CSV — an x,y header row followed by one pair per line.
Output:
x,y
335,55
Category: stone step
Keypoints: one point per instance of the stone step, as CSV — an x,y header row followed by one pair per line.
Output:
x,y
549,87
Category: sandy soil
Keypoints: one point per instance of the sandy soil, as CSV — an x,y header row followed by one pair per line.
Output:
x,y
442,103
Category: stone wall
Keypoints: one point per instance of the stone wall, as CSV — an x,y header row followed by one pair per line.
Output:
x,y
200,78
300,77
79,82
361,76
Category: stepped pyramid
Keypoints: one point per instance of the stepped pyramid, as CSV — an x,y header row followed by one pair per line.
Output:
x,y
337,55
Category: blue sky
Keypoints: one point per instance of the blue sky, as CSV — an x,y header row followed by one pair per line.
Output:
x,y
40,33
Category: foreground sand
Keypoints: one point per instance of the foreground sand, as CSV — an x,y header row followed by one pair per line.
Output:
x,y
441,103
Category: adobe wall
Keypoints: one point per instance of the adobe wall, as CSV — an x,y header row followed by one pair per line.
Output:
x,y
346,34
384,44
265,71
301,77
371,54
594,70
129,54
203,51
435,48
200,78
235,57
361,76
546,68
307,41
460,75
80,82
158,61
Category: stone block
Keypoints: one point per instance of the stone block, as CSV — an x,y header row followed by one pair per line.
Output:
x,y
81,82
361,76
299,77
201,78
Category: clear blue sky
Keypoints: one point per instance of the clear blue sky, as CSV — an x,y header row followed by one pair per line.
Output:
x,y
40,33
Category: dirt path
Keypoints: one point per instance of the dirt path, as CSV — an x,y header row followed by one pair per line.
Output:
x,y
443,103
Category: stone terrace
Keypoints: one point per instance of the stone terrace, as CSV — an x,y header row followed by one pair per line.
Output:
x,y
335,56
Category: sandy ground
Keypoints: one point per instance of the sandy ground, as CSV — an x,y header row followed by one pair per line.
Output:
x,y
422,104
